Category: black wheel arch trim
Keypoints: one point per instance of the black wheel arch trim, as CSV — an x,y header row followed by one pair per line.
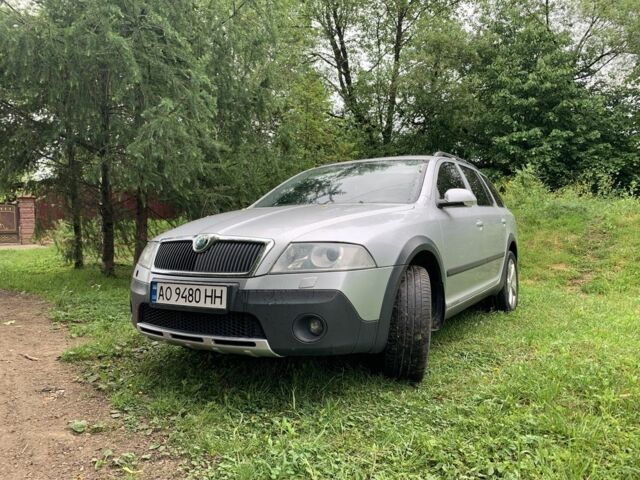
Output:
x,y
510,240
412,248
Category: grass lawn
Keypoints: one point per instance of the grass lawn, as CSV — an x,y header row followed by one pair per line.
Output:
x,y
550,391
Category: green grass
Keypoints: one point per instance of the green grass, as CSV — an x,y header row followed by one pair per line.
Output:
x,y
550,391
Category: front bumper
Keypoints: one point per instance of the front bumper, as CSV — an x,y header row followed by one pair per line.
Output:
x,y
349,304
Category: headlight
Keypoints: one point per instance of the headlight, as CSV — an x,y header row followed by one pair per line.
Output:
x,y
306,257
146,257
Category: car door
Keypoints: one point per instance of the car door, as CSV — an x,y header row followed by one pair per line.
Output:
x,y
488,218
500,222
462,244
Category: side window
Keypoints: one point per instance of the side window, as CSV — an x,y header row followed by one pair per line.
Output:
x,y
494,191
477,187
449,177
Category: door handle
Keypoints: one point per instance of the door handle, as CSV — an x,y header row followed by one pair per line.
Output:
x,y
504,222
479,224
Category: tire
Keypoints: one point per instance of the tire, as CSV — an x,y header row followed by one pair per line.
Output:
x,y
506,299
405,356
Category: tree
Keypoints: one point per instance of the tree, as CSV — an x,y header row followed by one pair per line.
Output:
x,y
306,135
272,111
363,49
170,106
37,105
438,99
536,108
124,85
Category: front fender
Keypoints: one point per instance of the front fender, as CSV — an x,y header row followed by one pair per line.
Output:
x,y
411,249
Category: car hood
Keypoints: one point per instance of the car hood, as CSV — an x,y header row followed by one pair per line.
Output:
x,y
346,223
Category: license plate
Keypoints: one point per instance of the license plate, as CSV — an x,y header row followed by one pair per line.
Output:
x,y
206,296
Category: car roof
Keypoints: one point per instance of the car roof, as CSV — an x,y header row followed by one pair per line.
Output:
x,y
435,156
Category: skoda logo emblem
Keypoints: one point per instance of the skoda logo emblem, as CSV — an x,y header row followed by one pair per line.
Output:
x,y
201,242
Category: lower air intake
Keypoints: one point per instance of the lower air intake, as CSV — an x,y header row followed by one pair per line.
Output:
x,y
230,324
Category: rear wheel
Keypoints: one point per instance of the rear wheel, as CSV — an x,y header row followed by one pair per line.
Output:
x,y
405,356
507,298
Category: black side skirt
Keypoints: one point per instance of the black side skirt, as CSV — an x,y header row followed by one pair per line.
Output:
x,y
469,266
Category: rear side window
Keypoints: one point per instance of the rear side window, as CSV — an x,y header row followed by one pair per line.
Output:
x,y
494,191
478,187
449,177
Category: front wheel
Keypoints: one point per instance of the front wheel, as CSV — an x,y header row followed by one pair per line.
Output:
x,y
507,298
405,356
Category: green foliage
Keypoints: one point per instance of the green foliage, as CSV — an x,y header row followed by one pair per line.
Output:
x,y
307,136
526,191
272,117
78,426
526,85
386,79
534,111
112,93
62,236
437,106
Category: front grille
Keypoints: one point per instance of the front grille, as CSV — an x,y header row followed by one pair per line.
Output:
x,y
224,256
231,324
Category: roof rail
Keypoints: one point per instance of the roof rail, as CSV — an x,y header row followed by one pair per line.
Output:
x,y
445,154
450,155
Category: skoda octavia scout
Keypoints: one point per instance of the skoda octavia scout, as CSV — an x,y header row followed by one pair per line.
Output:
x,y
367,256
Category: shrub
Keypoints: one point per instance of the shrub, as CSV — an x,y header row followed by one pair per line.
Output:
x,y
62,236
125,234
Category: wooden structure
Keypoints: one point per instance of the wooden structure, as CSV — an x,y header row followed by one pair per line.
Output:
x,y
18,221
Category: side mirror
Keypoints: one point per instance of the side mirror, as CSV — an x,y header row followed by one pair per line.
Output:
x,y
458,197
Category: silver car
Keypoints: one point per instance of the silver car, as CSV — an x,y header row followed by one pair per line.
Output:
x,y
367,256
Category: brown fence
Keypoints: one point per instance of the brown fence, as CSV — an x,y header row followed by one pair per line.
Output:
x,y
17,221
50,207
9,224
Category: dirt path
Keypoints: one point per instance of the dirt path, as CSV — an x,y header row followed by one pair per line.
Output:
x,y
39,397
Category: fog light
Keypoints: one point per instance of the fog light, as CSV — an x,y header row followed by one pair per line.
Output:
x,y
309,328
315,326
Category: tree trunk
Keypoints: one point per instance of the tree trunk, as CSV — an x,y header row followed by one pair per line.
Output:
x,y
106,212
75,207
106,197
142,220
142,210
334,23
387,130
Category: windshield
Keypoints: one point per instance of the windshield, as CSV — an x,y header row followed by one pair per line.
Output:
x,y
379,181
